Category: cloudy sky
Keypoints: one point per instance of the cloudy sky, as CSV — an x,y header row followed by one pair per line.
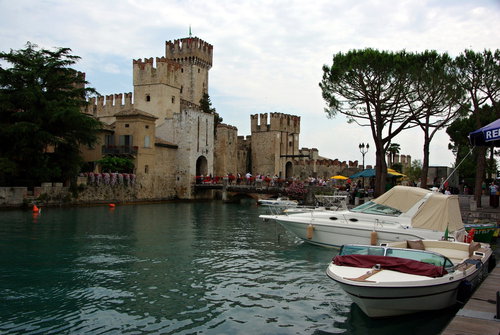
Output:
x,y
268,55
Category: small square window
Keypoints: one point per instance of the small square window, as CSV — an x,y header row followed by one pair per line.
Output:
x,y
126,125
148,97
147,127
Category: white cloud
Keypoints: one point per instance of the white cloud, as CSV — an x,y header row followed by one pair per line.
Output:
x,y
268,55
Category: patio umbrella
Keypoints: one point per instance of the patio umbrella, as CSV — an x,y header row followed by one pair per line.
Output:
x,y
339,177
488,135
368,173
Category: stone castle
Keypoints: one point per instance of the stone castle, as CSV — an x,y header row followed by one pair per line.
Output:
x,y
172,140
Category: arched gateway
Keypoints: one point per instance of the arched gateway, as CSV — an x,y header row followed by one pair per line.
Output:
x,y
288,170
201,166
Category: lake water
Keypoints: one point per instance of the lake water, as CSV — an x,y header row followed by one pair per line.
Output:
x,y
173,268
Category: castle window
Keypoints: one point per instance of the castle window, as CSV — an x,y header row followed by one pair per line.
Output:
x,y
109,140
290,143
147,127
126,125
173,99
147,142
198,70
146,169
182,70
148,97
182,87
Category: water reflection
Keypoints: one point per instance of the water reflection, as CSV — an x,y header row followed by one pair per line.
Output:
x,y
179,268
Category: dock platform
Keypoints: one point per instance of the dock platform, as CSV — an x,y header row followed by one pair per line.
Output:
x,y
478,316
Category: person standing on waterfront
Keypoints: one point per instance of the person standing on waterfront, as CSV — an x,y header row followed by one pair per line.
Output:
x,y
494,195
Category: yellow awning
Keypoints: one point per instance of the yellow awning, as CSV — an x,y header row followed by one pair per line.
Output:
x,y
395,173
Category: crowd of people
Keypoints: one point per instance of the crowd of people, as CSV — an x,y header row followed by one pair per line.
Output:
x,y
260,179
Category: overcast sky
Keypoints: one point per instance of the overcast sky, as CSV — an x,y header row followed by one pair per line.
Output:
x,y
268,55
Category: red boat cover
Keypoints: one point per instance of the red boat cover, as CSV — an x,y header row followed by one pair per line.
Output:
x,y
391,263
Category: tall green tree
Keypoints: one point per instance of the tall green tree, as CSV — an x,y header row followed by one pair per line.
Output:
x,y
479,77
373,89
465,160
437,98
40,116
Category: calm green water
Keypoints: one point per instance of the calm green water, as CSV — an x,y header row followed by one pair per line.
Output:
x,y
176,268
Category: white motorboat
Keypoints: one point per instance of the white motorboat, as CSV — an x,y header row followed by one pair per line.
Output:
x,y
394,279
403,213
279,202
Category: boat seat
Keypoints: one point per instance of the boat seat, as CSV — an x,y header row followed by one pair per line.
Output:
x,y
456,252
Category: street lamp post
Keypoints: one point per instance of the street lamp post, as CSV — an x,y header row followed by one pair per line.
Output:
x,y
363,148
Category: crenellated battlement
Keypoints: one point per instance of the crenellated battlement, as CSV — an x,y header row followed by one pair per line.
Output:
x,y
109,105
275,122
159,70
185,104
227,126
191,50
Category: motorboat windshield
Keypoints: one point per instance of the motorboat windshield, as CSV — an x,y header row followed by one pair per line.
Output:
x,y
371,207
428,257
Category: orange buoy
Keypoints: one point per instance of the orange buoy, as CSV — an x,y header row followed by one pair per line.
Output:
x,y
310,230
35,209
111,205
373,238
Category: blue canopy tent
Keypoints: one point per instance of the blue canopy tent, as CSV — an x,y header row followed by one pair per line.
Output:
x,y
364,174
488,135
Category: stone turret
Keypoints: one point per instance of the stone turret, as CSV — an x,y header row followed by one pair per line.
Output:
x,y
157,88
275,142
195,56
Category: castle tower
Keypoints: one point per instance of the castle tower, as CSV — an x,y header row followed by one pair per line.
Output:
x,y
157,88
275,143
195,56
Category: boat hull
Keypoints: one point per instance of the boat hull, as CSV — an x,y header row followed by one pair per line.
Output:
x,y
336,234
379,302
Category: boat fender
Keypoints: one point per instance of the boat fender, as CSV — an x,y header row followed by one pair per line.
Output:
x,y
475,262
492,263
464,291
310,230
35,209
373,238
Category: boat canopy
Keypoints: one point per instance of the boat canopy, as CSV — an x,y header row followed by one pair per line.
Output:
x,y
439,212
398,264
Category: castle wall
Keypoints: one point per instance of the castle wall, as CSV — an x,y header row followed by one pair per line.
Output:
x,y
194,132
244,155
226,152
159,182
105,107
